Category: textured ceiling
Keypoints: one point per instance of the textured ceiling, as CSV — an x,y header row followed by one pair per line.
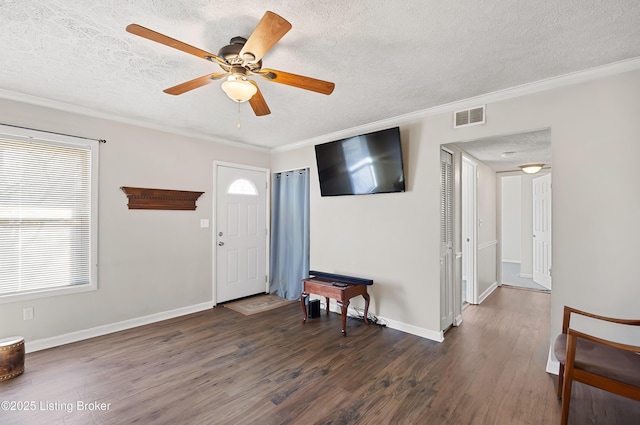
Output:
x,y
386,58
509,152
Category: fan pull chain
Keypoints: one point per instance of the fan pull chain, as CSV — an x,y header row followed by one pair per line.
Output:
x,y
238,116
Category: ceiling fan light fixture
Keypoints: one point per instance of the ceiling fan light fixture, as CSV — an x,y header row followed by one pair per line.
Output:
x,y
531,168
239,89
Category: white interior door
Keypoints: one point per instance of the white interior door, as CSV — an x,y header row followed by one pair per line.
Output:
x,y
446,239
240,233
469,231
542,230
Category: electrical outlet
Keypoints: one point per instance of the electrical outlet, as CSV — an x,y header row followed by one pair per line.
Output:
x,y
27,313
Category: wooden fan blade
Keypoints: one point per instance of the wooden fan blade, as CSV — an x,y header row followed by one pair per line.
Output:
x,y
258,103
269,30
307,83
172,42
195,83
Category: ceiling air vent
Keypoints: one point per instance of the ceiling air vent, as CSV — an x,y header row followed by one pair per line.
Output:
x,y
469,117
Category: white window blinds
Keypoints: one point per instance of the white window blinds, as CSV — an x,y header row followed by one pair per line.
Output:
x,y
45,216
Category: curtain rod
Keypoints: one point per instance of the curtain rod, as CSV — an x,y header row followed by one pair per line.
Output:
x,y
53,132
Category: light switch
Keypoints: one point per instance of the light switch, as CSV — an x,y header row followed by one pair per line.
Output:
x,y
204,222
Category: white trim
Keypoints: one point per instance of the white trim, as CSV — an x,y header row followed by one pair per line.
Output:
x,y
437,336
488,292
288,170
500,95
267,172
553,365
487,245
526,275
50,292
505,260
44,343
497,96
81,110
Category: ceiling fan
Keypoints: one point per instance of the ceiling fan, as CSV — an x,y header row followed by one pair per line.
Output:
x,y
240,59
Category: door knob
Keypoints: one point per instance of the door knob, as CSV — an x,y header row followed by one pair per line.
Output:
x,y
220,243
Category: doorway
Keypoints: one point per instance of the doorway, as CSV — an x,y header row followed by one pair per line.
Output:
x,y
525,223
495,156
241,228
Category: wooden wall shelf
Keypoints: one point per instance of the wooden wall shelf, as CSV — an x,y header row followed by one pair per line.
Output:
x,y
160,199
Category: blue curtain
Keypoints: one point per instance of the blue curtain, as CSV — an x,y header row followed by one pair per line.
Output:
x,y
289,233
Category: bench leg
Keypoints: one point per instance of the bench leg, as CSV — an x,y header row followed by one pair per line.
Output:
x,y
366,308
344,307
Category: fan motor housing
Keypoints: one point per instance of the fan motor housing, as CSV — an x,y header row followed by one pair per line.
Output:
x,y
231,54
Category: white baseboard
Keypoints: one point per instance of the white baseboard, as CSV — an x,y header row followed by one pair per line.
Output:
x,y
437,336
526,275
55,341
553,365
511,261
488,292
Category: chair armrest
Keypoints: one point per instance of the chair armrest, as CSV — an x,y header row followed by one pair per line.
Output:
x,y
572,333
567,317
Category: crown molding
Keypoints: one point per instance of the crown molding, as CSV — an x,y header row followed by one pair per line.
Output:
x,y
500,95
497,96
81,110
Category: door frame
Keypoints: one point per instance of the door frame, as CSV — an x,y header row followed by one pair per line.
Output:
x,y
214,223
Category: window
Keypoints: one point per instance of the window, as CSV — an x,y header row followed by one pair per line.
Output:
x,y
242,187
48,211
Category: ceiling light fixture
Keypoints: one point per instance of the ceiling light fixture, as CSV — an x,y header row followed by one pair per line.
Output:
x,y
531,168
239,89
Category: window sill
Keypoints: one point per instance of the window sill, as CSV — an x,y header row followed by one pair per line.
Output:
x,y
47,293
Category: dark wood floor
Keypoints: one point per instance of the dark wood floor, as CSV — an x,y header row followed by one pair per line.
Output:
x,y
220,367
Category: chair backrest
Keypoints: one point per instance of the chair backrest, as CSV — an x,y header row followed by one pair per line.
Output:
x,y
595,361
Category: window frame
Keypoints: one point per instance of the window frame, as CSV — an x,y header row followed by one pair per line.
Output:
x,y
28,135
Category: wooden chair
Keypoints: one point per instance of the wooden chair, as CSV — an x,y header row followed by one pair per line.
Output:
x,y
603,364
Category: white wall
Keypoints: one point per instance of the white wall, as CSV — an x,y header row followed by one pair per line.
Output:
x,y
382,237
511,219
149,261
393,239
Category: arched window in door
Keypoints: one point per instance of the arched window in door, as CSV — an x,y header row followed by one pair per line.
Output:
x,y
242,187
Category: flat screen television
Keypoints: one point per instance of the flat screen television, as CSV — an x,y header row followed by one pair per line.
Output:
x,y
365,164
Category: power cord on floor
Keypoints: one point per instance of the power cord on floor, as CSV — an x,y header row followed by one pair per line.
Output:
x,y
373,319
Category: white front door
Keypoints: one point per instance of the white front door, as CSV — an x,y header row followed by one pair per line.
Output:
x,y
240,233
542,230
